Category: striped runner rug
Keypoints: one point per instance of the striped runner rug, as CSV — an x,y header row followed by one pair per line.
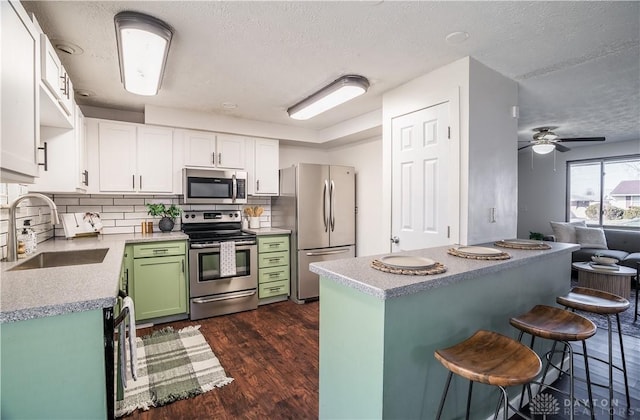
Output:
x,y
172,365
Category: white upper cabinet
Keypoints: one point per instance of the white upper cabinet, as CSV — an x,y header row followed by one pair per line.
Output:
x,y
66,159
263,157
155,159
213,150
132,158
20,95
56,91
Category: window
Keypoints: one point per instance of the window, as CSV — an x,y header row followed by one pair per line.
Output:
x,y
604,192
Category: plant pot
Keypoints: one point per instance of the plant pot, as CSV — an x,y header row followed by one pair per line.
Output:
x,y
166,224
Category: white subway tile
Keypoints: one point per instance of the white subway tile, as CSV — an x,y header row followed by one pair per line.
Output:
x,y
115,209
84,209
128,201
96,201
111,216
66,201
115,230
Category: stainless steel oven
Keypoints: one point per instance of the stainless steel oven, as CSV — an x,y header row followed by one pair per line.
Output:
x,y
211,292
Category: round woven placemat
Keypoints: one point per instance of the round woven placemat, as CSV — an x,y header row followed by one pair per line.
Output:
x,y
455,253
532,247
436,269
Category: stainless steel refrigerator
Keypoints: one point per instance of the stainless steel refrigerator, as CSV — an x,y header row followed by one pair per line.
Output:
x,y
318,204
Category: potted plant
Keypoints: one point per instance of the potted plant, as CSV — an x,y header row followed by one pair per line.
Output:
x,y
168,215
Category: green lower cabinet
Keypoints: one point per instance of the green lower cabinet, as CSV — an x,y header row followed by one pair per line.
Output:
x,y
273,268
157,284
53,367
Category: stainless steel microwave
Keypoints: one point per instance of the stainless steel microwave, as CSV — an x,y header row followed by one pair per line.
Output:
x,y
210,186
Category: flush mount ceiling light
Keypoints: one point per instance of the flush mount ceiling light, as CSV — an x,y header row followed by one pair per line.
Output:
x,y
143,45
338,92
543,147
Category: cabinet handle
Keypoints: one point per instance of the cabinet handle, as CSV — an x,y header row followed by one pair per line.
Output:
x,y
275,273
275,289
85,174
182,266
133,181
214,158
45,164
257,185
140,181
157,251
220,158
274,244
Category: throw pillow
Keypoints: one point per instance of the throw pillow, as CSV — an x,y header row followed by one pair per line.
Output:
x,y
566,232
591,237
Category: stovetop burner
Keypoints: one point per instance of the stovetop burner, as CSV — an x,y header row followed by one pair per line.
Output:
x,y
206,226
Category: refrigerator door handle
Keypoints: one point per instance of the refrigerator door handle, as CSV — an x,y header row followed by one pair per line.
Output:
x,y
325,219
332,203
319,253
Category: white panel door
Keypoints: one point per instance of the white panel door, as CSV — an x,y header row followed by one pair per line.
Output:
x,y
421,165
155,159
117,144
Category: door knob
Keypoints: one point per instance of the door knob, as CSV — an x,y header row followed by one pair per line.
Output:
x,y
395,239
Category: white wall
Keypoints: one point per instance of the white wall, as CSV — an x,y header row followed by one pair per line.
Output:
x,y
366,157
542,188
493,162
290,155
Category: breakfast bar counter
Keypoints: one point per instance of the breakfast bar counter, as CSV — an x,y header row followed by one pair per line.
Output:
x,y
379,331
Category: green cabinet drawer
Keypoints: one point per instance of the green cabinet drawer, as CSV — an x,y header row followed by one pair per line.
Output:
x,y
266,275
273,243
273,259
159,249
274,288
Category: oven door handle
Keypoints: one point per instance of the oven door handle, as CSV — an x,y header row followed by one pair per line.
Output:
x,y
226,297
217,244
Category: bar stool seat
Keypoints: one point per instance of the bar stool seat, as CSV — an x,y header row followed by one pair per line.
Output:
x,y
562,326
606,304
489,358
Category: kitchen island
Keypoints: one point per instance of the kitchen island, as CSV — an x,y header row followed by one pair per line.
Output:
x,y
379,331
52,330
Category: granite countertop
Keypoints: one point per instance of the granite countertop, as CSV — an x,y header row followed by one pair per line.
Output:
x,y
358,274
268,231
38,293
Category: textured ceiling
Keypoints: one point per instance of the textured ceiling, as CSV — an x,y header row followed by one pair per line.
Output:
x,y
577,63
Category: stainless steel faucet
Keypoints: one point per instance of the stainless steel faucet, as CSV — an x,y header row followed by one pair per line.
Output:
x,y
12,242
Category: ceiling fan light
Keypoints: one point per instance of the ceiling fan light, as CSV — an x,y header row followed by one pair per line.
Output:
x,y
143,46
543,148
330,96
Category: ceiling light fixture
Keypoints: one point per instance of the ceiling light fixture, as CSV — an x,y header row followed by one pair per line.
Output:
x,y
543,147
143,45
338,92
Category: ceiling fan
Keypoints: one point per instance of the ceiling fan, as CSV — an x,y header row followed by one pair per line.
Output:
x,y
545,141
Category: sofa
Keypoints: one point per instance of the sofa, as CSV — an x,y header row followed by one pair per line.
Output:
x,y
623,245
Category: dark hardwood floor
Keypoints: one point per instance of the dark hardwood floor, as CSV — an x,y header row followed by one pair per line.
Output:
x,y
272,354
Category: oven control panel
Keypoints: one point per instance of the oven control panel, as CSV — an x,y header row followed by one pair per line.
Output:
x,y
213,216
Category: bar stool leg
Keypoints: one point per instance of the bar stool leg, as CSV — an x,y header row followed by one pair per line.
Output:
x,y
444,395
533,339
586,368
469,400
505,398
624,364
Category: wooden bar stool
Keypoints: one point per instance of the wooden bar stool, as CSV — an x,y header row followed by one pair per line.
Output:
x,y
489,358
606,304
562,326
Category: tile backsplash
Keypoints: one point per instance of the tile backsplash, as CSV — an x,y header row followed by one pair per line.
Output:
x,y
119,213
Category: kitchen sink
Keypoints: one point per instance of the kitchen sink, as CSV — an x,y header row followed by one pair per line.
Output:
x,y
63,258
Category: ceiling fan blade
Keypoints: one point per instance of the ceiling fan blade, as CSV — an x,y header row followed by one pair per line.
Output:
x,y
524,147
561,148
582,139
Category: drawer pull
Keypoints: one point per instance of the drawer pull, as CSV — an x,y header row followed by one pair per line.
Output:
x,y
274,244
275,274
276,259
158,251
275,289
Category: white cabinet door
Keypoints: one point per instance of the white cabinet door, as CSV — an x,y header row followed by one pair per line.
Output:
x,y
212,150
66,169
51,70
266,164
155,159
117,156
199,148
231,151
20,94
